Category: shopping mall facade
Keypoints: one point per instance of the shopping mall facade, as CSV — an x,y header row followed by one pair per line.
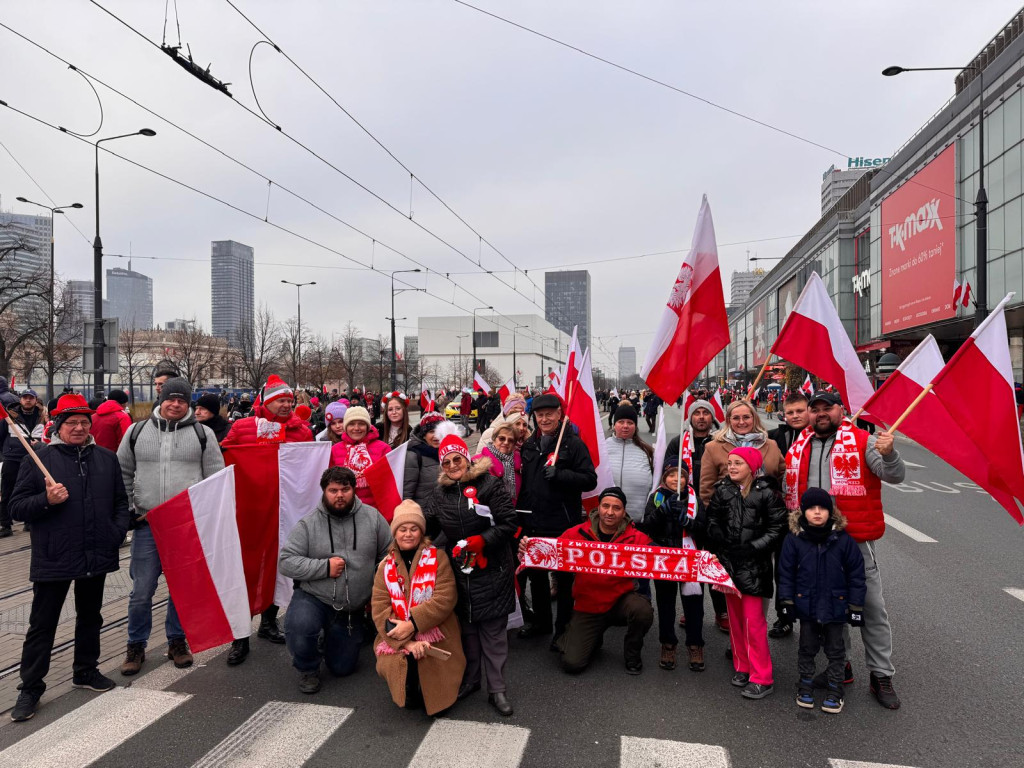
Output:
x,y
891,248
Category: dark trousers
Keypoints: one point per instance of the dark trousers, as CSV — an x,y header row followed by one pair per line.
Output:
x,y
693,609
585,632
47,601
8,477
485,644
343,632
718,602
812,637
540,599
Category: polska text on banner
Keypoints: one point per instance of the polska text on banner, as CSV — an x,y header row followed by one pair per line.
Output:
x,y
627,560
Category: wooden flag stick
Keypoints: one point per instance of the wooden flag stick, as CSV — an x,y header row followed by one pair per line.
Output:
x,y
565,419
679,458
857,414
16,431
759,375
911,407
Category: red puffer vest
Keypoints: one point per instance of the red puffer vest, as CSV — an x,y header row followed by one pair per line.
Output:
x,y
865,520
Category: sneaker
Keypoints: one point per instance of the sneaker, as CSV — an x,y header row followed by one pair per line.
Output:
x,y
740,679
696,657
309,682
833,703
93,681
133,659
177,651
881,687
722,622
757,690
668,657
239,651
821,679
25,708
805,693
634,667
780,629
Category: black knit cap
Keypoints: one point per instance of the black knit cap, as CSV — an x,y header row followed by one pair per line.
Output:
x,y
118,396
816,497
210,402
613,491
625,412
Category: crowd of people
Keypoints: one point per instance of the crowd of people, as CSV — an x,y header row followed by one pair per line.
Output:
x,y
435,587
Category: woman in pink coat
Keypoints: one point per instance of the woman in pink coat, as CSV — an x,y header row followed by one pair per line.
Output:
x,y
358,448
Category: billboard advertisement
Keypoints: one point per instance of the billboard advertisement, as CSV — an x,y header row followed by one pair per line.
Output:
x,y
919,247
789,292
760,339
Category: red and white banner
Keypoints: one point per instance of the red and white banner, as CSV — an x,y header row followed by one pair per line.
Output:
x,y
807,387
427,400
480,384
583,412
196,535
507,389
275,486
694,326
966,300
814,338
688,399
958,291
386,478
717,408
571,370
631,561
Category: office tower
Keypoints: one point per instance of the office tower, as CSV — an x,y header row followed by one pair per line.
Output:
x,y
567,302
130,298
231,268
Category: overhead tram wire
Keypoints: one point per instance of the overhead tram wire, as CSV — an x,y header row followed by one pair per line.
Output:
x,y
40,188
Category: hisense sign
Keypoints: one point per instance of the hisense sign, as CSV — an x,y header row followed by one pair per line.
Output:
x,y
866,162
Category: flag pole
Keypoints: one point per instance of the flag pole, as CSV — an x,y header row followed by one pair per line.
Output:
x,y
911,407
759,375
565,418
16,431
679,458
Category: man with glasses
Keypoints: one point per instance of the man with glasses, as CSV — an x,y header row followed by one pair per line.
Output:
x,y
78,522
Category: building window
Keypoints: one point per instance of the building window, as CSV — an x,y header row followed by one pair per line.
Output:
x,y
486,338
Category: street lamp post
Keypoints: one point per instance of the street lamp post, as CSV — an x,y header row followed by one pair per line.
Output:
x,y
474,337
50,330
981,201
97,268
394,341
298,302
462,379
515,370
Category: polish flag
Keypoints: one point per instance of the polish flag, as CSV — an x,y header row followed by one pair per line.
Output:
x,y
694,326
427,400
688,399
967,294
807,387
197,537
386,479
717,408
571,371
958,290
480,384
582,411
507,389
981,372
814,338
930,424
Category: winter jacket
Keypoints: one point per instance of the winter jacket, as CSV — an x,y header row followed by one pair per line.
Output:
x,y
465,404
821,580
8,399
358,457
716,454
167,459
421,470
30,422
361,537
631,471
243,431
109,425
219,426
489,592
699,444
596,593
80,537
439,678
651,405
784,437
498,469
662,519
556,505
755,523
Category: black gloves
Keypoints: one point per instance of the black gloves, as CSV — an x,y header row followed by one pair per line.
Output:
x,y
787,613
550,473
855,616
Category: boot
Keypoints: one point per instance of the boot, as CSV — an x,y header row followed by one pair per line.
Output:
x,y
239,650
178,652
268,626
696,653
501,703
668,657
133,659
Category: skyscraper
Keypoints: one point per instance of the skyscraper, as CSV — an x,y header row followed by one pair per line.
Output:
x,y
627,362
567,302
231,267
741,284
25,257
83,296
130,298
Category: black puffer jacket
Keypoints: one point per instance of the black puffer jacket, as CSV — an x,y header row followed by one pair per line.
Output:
x,y
744,532
556,505
421,470
484,593
663,515
80,537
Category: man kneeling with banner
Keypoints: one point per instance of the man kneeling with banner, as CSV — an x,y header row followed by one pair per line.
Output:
x,y
608,554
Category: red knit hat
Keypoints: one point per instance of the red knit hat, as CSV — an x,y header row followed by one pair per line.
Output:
x,y
750,455
276,388
452,444
73,403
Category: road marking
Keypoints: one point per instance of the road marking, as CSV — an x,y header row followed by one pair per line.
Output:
x,y
858,764
906,530
661,753
277,729
1015,592
913,465
165,675
87,733
465,744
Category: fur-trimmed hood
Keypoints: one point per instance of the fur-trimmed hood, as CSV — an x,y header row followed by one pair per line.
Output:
x,y
838,521
477,469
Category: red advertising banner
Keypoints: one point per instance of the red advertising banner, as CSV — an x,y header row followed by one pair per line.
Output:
x,y
761,332
919,247
631,561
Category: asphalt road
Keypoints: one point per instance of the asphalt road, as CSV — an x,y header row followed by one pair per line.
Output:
x,y
959,655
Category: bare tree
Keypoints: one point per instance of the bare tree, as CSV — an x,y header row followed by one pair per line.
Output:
x,y
133,357
291,350
259,348
193,352
57,348
318,360
23,298
351,352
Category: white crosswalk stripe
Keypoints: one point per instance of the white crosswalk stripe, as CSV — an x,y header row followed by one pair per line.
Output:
x,y
278,728
662,753
466,744
858,764
1015,592
907,530
87,733
912,465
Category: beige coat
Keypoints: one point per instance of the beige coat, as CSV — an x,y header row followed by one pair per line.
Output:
x,y
439,679
716,454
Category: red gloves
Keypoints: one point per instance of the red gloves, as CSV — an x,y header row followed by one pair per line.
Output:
x,y
475,544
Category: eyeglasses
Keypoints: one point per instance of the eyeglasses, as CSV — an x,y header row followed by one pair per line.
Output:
x,y
452,461
78,424
504,439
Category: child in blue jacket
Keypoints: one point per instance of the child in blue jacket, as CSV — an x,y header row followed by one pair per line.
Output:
x,y
821,582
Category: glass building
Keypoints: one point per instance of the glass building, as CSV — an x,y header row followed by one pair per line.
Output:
x,y
129,298
567,302
231,268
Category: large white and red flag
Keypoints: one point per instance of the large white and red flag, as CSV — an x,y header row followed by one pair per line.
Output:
x,y
582,411
930,424
717,407
694,326
507,389
196,535
480,384
958,291
814,338
571,370
386,478
427,400
977,385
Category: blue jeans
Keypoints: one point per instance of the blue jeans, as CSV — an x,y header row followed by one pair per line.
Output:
x,y
343,635
145,570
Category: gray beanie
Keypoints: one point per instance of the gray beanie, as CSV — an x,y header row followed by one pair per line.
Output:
x,y
176,387
689,412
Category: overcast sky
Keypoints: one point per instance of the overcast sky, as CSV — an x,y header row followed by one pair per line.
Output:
x,y
554,157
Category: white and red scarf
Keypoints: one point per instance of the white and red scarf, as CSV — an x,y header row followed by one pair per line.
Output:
x,y
686,452
421,590
845,470
268,431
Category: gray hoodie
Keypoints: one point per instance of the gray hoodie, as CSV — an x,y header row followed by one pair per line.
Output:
x,y
362,537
